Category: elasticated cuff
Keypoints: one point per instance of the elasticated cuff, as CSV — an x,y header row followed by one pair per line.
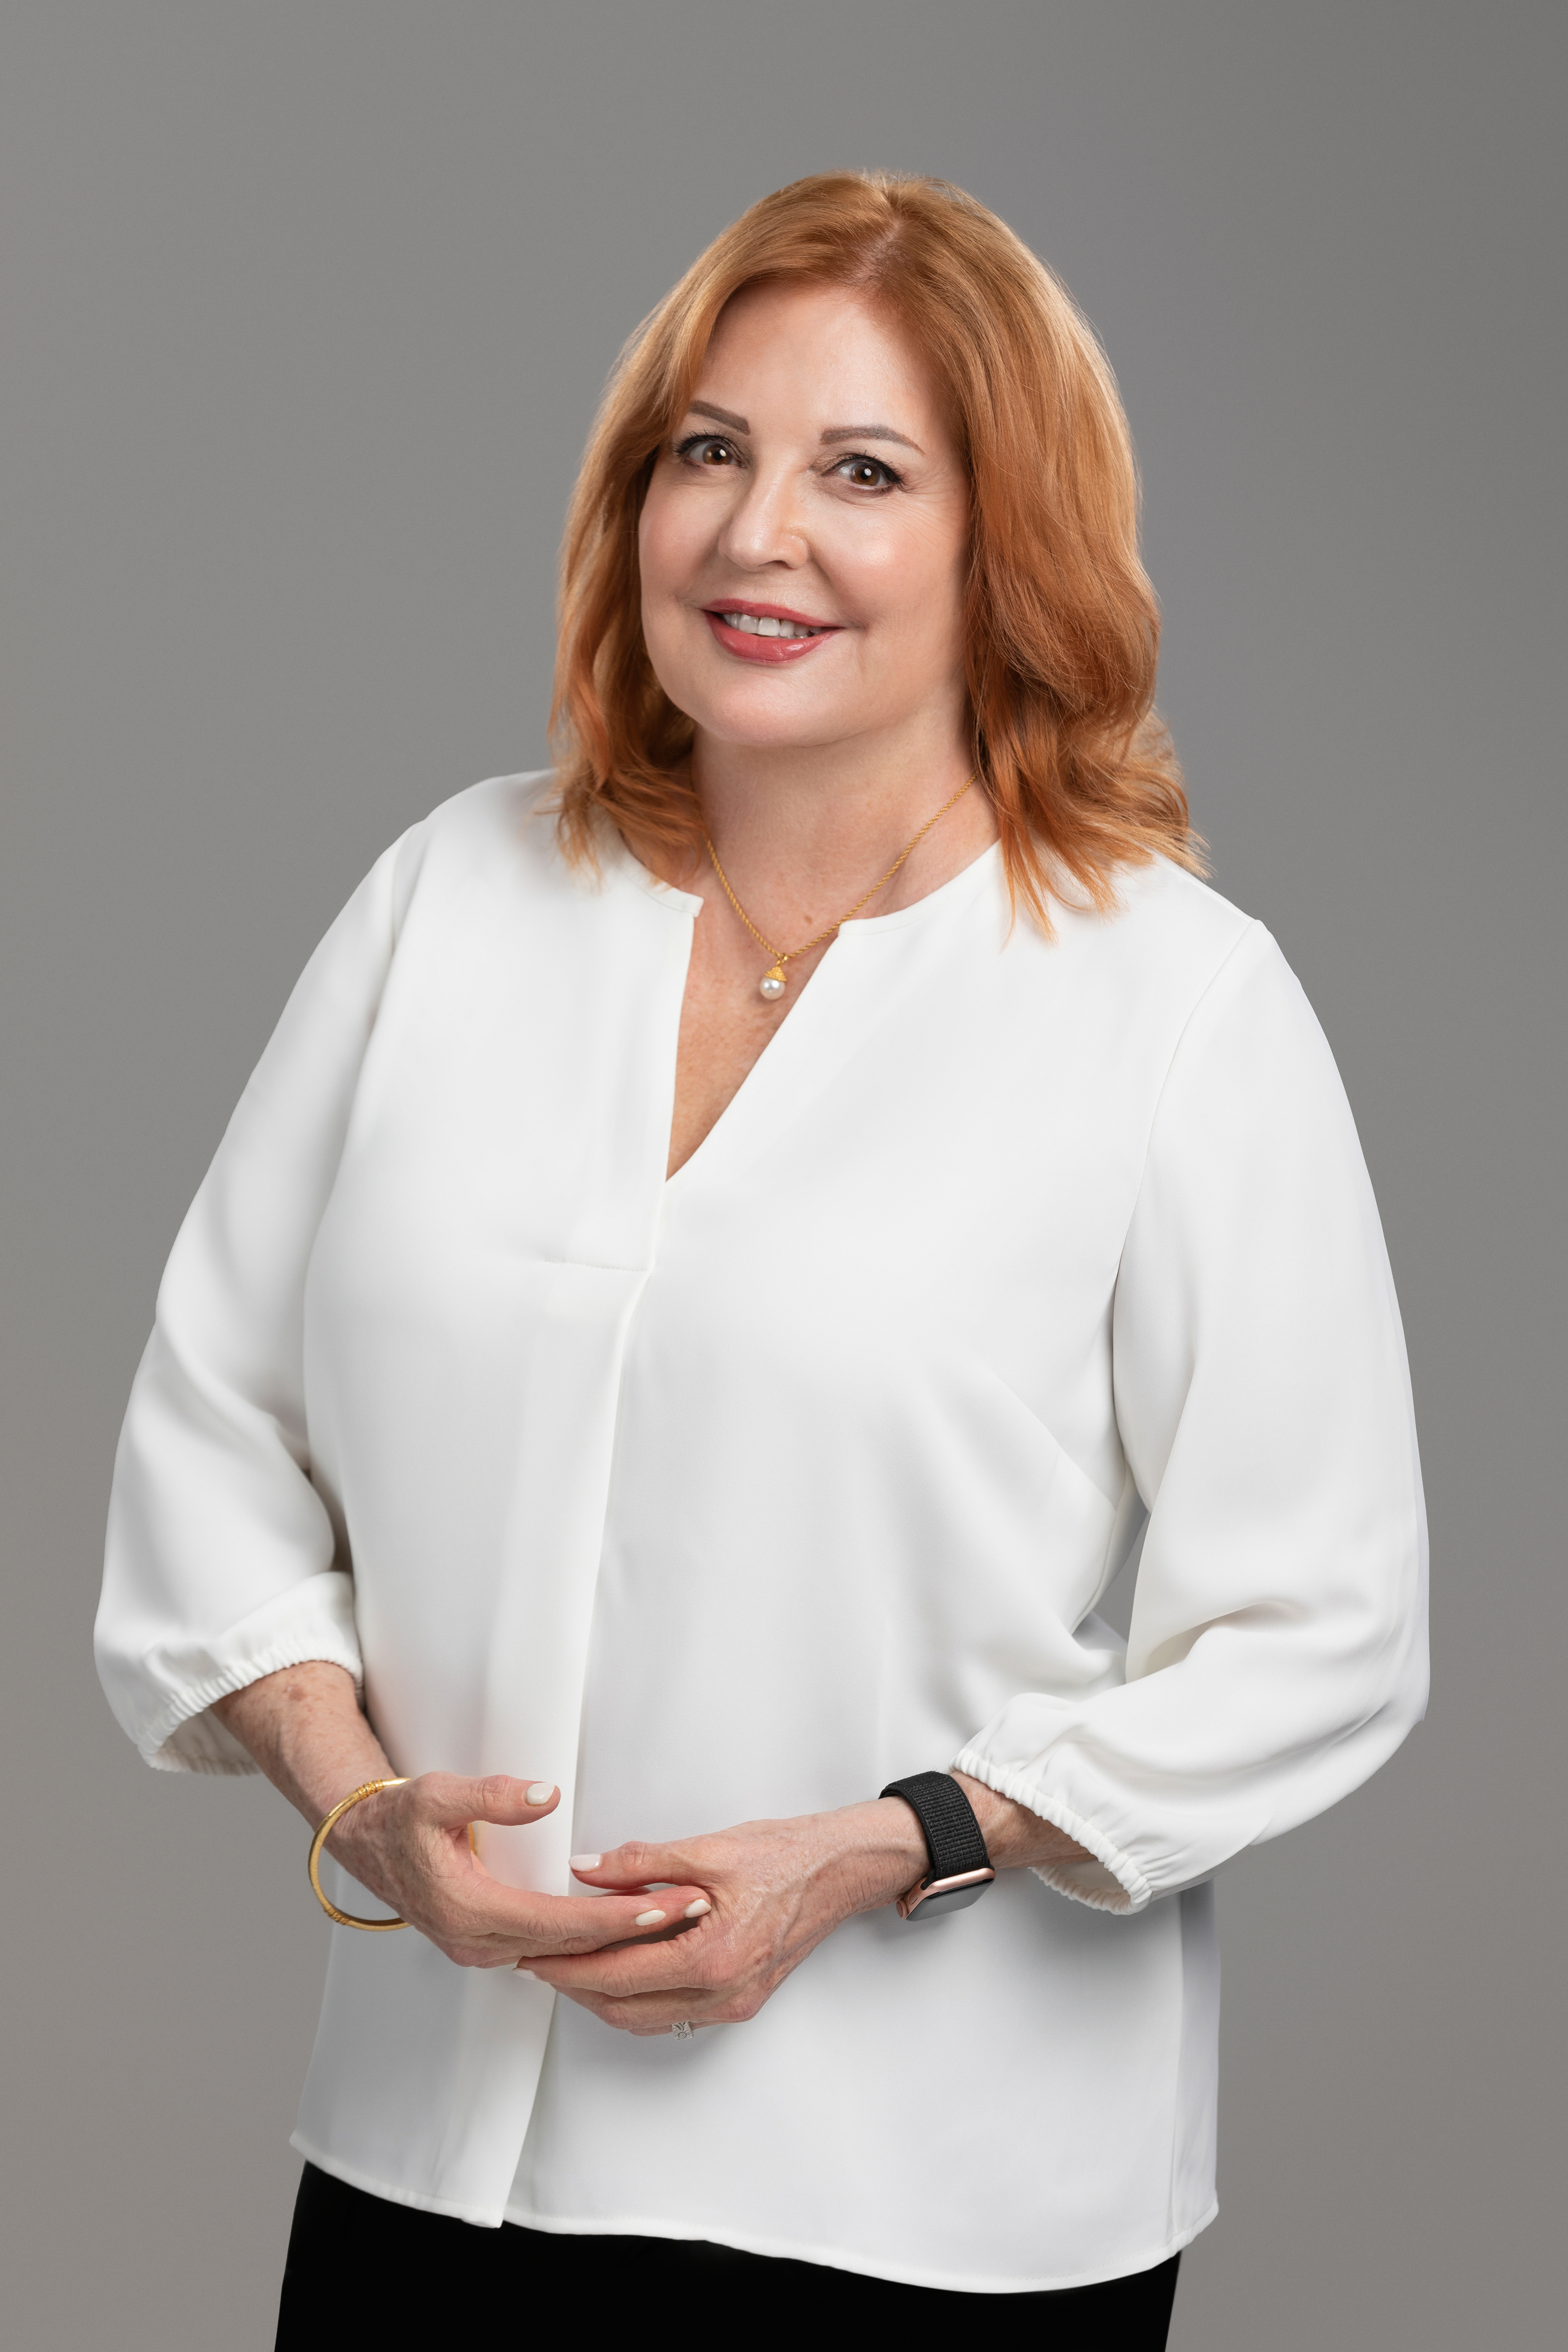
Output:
x,y
1111,1882
312,1620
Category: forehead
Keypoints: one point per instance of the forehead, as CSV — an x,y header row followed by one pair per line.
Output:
x,y
825,351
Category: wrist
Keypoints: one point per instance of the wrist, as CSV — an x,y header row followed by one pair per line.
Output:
x,y
959,1865
1016,1838
356,1838
878,1853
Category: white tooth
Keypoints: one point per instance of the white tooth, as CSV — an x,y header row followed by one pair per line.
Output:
x,y
768,628
744,621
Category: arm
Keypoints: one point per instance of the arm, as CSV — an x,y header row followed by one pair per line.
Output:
x,y
1276,1654
222,1563
226,1637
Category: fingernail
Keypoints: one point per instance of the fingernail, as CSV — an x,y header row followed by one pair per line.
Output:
x,y
695,1910
647,1919
541,1792
586,1861
526,1972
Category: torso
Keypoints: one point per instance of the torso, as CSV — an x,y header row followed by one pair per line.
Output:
x,y
743,1490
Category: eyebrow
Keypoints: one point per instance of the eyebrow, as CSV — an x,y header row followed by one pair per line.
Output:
x,y
869,433
832,433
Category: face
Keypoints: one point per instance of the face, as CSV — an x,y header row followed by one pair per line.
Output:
x,y
805,534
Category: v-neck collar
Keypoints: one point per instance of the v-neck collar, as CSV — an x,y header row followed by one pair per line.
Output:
x,y
821,1029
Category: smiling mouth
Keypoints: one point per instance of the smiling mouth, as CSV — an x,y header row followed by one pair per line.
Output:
x,y
771,638
768,625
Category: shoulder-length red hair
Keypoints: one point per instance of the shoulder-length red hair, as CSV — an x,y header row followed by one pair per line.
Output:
x,y
1062,625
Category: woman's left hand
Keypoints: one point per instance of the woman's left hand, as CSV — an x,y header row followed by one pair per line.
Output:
x,y
776,1888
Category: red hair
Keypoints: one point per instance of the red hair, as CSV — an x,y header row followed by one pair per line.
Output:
x,y
1061,624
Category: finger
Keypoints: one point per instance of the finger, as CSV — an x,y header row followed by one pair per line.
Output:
x,y
675,1905
666,1965
634,1865
654,1915
452,1801
560,1924
567,1927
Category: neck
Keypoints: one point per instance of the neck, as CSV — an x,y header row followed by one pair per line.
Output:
x,y
814,823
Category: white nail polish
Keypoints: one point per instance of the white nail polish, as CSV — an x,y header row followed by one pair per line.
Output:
x,y
647,1919
586,1861
695,1910
541,1792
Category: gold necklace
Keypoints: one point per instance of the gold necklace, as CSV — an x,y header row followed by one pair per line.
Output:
x,y
773,981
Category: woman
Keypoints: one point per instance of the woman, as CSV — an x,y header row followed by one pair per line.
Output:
x,y
730,1250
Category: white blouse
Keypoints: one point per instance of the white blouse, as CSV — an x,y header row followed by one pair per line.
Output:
x,y
741,1493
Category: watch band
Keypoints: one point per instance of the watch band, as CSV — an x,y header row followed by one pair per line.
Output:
x,y
959,1866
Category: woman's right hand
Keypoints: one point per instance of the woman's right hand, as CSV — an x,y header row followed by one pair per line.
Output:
x,y
409,1846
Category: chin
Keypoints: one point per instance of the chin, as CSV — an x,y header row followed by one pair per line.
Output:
x,y
769,712
769,730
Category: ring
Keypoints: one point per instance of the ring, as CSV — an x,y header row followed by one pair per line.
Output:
x,y
684,2030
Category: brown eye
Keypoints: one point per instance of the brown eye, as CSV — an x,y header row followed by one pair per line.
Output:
x,y
866,474
707,449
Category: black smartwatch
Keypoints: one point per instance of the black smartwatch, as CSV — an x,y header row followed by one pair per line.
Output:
x,y
959,1866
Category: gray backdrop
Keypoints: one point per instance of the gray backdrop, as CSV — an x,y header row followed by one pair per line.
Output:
x,y
305,310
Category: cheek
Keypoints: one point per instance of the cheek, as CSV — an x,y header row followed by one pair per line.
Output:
x,y
671,542
654,569
650,548
667,565
910,579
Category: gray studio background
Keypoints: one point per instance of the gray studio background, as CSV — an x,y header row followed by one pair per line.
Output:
x,y
305,308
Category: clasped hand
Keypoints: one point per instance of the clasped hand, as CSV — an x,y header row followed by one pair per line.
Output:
x,y
701,1930
705,1930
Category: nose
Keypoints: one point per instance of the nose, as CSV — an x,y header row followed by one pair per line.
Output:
x,y
765,526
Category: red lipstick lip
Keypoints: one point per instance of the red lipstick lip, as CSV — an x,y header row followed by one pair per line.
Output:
x,y
768,652
768,613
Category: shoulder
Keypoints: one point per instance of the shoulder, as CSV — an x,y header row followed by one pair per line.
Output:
x,y
1165,916
1236,1016
501,831
511,814
1165,942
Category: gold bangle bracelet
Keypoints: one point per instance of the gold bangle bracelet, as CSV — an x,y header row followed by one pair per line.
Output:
x,y
346,1918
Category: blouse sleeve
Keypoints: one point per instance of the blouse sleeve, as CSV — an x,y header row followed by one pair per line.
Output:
x,y
222,1562
1277,1654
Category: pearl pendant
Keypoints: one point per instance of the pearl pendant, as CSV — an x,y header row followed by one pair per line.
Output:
x,y
771,984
